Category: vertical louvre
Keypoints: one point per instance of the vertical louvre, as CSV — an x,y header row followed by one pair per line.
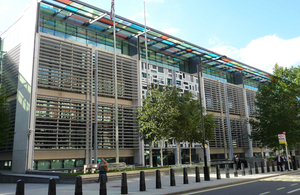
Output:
x,y
235,99
213,90
128,129
219,132
250,101
126,72
10,70
64,66
61,123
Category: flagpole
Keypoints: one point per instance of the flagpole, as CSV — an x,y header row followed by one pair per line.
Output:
x,y
146,49
116,92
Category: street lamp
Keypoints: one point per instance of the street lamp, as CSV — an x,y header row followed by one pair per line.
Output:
x,y
199,68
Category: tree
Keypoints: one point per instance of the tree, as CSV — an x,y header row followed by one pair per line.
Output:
x,y
188,124
156,116
278,109
5,133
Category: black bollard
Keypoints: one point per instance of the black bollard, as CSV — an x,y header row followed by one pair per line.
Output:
x,y
227,171
103,190
142,181
250,168
278,167
197,174
262,166
20,187
273,167
298,163
243,169
52,187
158,179
218,172
172,178
256,168
295,163
78,186
185,176
268,166
124,187
235,170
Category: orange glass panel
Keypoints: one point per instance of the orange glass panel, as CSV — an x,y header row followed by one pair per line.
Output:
x,y
121,35
65,1
164,37
80,18
106,21
240,68
189,50
226,60
173,49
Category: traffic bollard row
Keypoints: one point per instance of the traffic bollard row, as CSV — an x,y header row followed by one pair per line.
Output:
x,y
142,181
273,167
172,178
197,172
103,190
243,169
262,167
185,176
218,172
78,186
124,187
256,168
20,187
52,187
227,171
250,168
158,179
235,170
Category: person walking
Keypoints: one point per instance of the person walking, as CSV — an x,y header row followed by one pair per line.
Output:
x,y
236,161
103,168
279,161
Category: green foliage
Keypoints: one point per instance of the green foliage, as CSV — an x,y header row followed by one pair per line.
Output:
x,y
5,133
278,109
157,115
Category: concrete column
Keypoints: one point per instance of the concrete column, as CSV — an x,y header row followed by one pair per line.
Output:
x,y
96,110
228,123
250,150
221,113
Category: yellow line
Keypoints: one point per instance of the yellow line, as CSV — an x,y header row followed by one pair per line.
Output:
x,y
264,193
198,192
281,188
294,184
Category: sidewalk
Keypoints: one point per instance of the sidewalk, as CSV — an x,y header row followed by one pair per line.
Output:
x,y
114,187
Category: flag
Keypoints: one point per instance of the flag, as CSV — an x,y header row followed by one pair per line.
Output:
x,y
112,8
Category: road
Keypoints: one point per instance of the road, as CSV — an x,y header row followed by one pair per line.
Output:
x,y
285,184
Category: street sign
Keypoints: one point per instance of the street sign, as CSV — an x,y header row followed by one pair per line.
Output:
x,y
281,138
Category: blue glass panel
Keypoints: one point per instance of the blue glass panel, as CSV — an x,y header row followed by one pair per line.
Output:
x,y
55,3
168,42
96,27
48,7
229,64
137,27
72,9
213,55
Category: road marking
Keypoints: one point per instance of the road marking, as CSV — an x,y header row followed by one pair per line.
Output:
x,y
294,184
281,188
201,191
293,191
264,193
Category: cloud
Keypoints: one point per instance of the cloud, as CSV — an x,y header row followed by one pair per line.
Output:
x,y
264,52
3,9
170,31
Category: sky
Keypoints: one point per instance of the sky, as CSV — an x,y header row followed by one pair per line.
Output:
x,y
255,32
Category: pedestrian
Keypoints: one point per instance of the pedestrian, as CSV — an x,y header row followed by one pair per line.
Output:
x,y
279,161
103,168
236,161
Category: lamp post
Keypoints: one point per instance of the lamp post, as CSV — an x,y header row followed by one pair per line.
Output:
x,y
199,68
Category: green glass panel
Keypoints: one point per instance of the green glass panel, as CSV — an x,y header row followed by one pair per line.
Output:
x,y
155,34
